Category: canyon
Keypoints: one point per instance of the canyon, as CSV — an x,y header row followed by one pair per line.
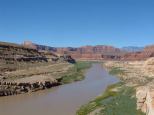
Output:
x,y
81,53
30,67
60,100
99,52
137,64
25,69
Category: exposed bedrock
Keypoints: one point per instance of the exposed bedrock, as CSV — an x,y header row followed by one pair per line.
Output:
x,y
14,88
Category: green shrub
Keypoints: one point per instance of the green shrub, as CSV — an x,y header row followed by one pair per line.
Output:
x,y
113,102
116,71
76,73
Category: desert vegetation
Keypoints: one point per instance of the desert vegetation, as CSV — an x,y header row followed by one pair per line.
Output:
x,y
76,73
118,99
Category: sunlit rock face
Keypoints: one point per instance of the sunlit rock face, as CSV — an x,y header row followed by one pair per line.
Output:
x,y
145,100
149,67
11,53
142,55
91,52
99,52
85,52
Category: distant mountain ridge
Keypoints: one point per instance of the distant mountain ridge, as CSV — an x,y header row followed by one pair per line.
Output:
x,y
85,52
99,52
132,49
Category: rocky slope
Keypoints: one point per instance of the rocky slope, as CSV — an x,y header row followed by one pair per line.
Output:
x,y
32,79
25,69
148,67
139,74
142,55
29,44
14,56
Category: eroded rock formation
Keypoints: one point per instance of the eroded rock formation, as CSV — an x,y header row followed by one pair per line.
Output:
x,y
27,69
14,88
99,52
145,100
142,55
90,52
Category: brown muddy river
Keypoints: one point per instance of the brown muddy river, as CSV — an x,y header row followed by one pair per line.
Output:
x,y
62,100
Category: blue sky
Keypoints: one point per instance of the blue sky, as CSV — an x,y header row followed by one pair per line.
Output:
x,y
78,22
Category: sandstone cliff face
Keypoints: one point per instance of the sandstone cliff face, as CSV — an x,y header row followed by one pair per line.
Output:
x,y
25,69
149,67
91,52
149,49
145,100
106,52
13,56
146,53
38,47
141,75
99,52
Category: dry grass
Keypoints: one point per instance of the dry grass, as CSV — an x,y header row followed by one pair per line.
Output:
x,y
55,70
